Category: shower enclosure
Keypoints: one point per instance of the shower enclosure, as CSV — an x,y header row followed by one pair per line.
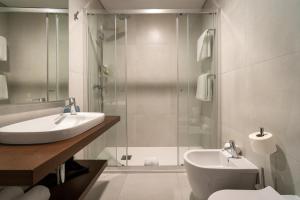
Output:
x,y
143,66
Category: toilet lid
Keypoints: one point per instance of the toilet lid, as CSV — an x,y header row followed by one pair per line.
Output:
x,y
263,194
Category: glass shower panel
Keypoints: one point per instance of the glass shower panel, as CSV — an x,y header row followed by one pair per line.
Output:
x,y
152,90
97,30
95,61
198,118
63,56
120,84
184,75
106,64
57,32
51,22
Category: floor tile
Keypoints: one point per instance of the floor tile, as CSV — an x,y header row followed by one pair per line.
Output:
x,y
184,185
107,187
141,186
150,186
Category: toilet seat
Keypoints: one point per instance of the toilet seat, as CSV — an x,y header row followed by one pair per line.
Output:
x,y
263,194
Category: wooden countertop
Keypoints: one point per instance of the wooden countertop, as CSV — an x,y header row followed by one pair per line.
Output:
x,y
28,164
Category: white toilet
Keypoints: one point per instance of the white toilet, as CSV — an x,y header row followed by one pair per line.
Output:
x,y
263,194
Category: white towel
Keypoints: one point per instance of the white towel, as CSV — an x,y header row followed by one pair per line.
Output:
x,y
3,88
36,193
204,45
3,48
151,161
204,87
11,192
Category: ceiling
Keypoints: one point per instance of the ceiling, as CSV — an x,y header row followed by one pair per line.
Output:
x,y
147,4
36,3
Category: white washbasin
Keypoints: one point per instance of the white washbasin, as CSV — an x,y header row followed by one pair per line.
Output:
x,y
49,129
210,170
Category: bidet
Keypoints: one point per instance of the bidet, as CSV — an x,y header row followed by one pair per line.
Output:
x,y
210,170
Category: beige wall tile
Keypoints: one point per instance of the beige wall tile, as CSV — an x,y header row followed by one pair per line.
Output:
x,y
151,73
260,82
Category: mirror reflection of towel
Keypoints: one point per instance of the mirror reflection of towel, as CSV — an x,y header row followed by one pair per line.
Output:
x,y
3,88
3,49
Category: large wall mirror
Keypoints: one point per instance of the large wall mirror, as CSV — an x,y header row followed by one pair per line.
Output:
x,y
34,54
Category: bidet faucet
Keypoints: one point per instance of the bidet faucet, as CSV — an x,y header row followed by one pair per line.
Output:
x,y
232,149
72,105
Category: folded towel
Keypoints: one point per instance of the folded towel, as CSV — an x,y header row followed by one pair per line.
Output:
x,y
11,192
3,87
151,161
36,193
204,45
204,87
3,49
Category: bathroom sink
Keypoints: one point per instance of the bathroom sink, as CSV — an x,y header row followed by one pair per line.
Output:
x,y
49,129
210,170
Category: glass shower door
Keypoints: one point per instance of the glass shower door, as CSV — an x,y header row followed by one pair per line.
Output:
x,y
147,54
197,120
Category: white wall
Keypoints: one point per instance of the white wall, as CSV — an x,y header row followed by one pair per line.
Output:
x,y
260,78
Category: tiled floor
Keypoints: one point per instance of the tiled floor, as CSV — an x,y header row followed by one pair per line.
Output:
x,y
141,186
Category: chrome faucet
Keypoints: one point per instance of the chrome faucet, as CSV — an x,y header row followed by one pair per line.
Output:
x,y
72,105
232,149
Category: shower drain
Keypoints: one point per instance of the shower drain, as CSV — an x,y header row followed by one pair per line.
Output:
x,y
124,157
